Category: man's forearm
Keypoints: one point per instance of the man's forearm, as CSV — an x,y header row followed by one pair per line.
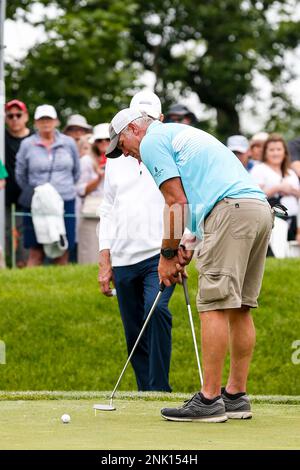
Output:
x,y
104,257
174,225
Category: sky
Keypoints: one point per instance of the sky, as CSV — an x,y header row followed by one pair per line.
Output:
x,y
20,36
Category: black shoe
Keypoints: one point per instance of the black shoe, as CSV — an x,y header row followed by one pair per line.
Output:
x,y
237,406
196,409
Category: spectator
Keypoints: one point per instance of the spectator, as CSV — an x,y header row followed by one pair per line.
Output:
x,y
129,243
298,226
84,145
180,113
294,149
48,156
84,148
16,118
257,145
90,188
3,175
239,145
77,127
279,182
100,139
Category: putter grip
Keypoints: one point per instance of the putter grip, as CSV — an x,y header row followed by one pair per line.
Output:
x,y
162,287
185,289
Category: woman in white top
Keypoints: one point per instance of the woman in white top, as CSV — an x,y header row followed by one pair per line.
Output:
x,y
278,180
90,188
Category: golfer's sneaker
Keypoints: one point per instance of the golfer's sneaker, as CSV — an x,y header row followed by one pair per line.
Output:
x,y
237,406
198,408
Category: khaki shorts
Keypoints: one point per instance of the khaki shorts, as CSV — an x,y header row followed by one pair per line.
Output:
x,y
232,257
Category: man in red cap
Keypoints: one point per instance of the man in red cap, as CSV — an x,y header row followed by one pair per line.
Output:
x,y
16,118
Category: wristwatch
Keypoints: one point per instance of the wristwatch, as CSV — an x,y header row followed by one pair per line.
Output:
x,y
168,253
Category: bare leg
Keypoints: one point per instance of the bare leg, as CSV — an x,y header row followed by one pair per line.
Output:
x,y
214,343
242,341
62,260
36,257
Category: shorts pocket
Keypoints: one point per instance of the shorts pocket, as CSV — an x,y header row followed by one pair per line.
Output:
x,y
214,286
244,223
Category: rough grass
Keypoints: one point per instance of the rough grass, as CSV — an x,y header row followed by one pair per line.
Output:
x,y
61,334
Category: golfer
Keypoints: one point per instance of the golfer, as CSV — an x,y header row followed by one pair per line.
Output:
x,y
199,175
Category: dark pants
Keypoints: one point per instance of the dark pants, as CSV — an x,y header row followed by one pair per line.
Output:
x,y
137,286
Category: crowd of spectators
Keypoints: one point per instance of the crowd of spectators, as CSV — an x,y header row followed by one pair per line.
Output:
x,y
73,162
275,166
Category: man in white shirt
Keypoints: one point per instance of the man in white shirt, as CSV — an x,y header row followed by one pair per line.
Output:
x,y
131,230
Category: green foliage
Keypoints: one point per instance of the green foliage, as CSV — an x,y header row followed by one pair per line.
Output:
x,y
61,334
83,66
223,45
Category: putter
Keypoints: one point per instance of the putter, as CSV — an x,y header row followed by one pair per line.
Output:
x,y
111,407
188,304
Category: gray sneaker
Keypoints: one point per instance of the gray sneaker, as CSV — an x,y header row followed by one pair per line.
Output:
x,y
196,410
237,406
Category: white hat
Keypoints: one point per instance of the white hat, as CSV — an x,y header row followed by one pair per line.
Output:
x,y
45,110
238,143
118,123
148,102
101,131
259,137
78,121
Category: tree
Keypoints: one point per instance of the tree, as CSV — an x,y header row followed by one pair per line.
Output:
x,y
83,66
212,48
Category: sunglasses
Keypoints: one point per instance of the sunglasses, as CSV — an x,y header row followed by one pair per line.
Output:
x,y
102,140
14,115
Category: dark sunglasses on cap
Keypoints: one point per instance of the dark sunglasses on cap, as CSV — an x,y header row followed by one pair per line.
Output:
x,y
102,140
14,115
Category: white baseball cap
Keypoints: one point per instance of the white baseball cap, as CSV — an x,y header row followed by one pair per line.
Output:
x,y
79,121
118,123
45,110
238,143
101,131
148,102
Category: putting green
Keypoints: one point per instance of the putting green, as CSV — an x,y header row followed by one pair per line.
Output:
x,y
136,424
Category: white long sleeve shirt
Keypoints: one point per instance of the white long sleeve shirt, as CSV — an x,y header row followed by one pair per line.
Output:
x,y
131,215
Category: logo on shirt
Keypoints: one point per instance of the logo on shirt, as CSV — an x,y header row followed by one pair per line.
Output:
x,y
157,172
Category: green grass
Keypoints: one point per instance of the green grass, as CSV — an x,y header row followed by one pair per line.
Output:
x,y
137,425
61,334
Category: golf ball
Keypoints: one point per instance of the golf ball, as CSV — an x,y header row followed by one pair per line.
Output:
x,y
113,292
66,418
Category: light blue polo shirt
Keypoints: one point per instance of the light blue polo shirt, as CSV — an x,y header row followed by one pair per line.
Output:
x,y
209,171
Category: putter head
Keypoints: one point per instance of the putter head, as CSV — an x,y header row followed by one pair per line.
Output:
x,y
104,407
